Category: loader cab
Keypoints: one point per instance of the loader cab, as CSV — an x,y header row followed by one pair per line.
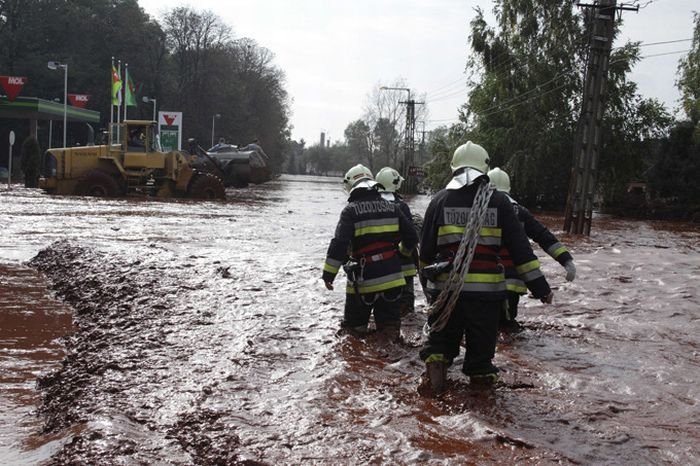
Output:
x,y
139,136
139,142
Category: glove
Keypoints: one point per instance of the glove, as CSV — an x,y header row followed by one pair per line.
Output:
x,y
570,271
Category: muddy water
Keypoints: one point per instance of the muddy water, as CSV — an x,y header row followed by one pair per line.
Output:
x,y
203,335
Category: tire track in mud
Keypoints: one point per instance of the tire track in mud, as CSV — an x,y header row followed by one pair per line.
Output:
x,y
113,390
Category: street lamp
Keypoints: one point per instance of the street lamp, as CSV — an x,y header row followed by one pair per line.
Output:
x,y
213,125
151,99
51,126
54,65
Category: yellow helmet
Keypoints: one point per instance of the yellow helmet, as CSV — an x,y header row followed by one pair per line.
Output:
x,y
470,155
500,179
355,175
390,179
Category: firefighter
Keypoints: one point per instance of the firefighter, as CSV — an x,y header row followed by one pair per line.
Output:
x,y
375,234
389,182
482,290
540,235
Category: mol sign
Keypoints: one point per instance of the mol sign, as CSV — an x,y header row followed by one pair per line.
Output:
x,y
12,85
79,100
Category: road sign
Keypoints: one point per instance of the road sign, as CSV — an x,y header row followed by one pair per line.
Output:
x,y
416,171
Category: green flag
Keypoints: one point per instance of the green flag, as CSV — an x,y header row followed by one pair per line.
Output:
x,y
130,91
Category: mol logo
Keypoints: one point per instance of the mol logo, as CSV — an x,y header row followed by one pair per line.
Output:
x,y
79,100
12,85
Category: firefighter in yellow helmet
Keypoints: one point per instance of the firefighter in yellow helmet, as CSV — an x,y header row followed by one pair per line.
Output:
x,y
371,237
482,287
389,182
540,235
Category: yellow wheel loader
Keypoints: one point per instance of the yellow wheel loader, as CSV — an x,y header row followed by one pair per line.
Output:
x,y
134,165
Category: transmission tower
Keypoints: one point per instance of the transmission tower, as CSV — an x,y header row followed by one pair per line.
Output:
x,y
588,142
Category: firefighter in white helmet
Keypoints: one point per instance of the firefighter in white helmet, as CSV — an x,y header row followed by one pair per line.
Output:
x,y
371,237
540,235
483,288
389,182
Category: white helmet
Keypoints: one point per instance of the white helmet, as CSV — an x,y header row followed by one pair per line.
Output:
x,y
355,176
500,179
390,179
470,155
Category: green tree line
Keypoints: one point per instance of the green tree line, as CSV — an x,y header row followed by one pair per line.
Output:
x,y
188,60
527,75
525,100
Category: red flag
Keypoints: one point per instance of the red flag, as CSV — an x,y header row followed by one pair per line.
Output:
x,y
12,85
79,100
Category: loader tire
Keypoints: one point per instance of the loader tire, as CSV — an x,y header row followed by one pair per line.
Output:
x,y
206,186
99,184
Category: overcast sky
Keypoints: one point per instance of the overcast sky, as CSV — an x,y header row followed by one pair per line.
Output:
x,y
335,52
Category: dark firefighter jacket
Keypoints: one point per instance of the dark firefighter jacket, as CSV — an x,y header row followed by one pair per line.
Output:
x,y
376,233
540,235
408,264
443,228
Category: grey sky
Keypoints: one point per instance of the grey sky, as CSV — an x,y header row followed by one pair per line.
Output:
x,y
335,52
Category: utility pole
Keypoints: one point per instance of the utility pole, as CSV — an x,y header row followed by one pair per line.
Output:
x,y
588,142
409,140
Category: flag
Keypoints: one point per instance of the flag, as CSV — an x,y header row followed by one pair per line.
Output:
x,y
130,91
116,86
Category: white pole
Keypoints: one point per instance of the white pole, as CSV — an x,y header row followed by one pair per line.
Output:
x,y
154,110
50,132
111,102
125,85
65,103
9,171
119,100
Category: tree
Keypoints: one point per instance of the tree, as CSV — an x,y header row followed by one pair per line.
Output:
x,y
526,78
689,78
360,141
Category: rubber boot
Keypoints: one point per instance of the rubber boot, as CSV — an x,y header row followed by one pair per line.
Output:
x,y
483,380
436,368
360,330
390,331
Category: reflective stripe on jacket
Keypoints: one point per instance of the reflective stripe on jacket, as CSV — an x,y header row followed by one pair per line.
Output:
x,y
539,233
444,224
370,226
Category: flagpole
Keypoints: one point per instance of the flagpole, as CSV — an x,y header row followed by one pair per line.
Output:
x,y
119,98
111,95
125,86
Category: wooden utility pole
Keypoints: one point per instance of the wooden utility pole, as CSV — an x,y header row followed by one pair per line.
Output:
x,y
588,142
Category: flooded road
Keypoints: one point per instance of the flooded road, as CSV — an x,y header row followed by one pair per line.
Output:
x,y
202,334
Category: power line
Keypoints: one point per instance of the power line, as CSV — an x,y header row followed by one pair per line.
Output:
x,y
457,81
646,44
666,53
519,96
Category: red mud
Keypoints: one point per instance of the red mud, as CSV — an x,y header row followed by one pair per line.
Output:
x,y
203,335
